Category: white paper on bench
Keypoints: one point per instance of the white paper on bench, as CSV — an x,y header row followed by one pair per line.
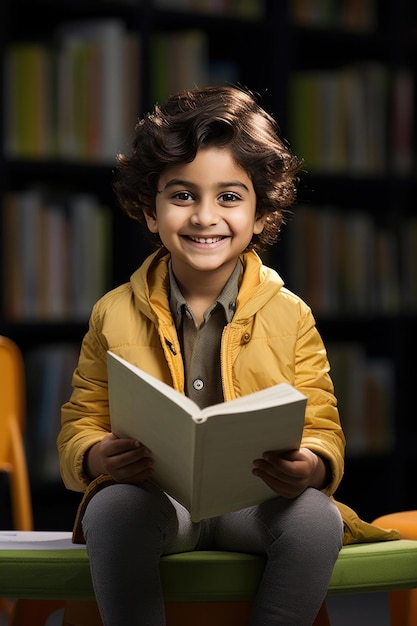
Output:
x,y
37,540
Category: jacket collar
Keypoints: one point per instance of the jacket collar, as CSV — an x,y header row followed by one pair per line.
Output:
x,y
150,284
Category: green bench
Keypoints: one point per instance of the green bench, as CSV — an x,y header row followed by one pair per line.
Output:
x,y
48,566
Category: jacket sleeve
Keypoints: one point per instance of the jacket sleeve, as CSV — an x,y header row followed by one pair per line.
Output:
x,y
322,431
85,417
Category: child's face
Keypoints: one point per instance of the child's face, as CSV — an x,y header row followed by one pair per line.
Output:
x,y
205,212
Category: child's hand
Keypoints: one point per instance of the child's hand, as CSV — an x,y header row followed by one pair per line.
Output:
x,y
125,460
290,473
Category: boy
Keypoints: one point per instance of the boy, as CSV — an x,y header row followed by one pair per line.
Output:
x,y
211,179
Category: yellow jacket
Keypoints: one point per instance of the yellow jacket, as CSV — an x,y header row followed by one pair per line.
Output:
x,y
272,338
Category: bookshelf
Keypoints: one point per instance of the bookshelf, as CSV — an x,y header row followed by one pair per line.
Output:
x,y
340,82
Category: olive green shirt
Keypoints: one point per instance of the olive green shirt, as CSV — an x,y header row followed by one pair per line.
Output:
x,y
200,344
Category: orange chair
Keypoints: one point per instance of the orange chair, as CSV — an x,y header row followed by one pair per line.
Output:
x,y
12,422
12,455
402,603
13,463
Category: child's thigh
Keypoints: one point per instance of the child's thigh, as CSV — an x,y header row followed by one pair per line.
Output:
x,y
306,519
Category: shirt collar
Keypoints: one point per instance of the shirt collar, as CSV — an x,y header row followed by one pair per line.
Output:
x,y
227,298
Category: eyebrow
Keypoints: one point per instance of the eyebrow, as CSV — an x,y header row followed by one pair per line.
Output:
x,y
179,182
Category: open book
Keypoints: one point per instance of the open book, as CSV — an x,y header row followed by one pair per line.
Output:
x,y
204,458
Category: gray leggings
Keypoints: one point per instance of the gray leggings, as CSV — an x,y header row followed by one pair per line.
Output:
x,y
127,529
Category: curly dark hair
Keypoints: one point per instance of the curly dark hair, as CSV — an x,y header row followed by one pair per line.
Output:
x,y
210,116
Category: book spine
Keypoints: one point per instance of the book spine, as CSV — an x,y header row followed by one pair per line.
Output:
x,y
27,101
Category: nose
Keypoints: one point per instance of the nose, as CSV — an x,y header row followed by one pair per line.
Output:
x,y
205,213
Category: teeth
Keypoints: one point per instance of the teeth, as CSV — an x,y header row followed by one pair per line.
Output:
x,y
206,239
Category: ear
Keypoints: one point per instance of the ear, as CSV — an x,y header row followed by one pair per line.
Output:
x,y
259,223
151,221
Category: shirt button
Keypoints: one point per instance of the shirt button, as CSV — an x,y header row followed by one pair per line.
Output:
x,y
198,384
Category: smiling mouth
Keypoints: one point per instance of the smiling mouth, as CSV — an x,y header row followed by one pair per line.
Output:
x,y
206,239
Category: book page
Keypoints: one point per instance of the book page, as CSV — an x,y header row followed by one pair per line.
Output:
x,y
137,411
37,540
231,443
277,395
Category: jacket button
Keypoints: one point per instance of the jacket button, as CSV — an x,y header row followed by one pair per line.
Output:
x,y
246,338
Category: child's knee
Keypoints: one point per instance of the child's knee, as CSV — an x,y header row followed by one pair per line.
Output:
x,y
122,506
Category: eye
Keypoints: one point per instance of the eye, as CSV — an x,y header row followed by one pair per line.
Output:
x,y
229,196
183,196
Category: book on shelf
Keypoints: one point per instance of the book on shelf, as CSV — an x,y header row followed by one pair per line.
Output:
x,y
408,244
99,66
253,9
338,119
76,96
48,372
365,390
57,254
377,279
402,128
349,15
90,252
27,100
204,457
179,61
